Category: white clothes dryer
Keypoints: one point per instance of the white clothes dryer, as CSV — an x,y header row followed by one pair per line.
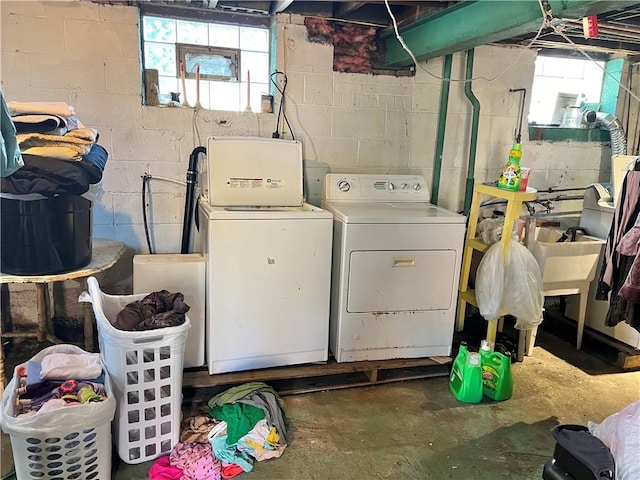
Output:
x,y
396,267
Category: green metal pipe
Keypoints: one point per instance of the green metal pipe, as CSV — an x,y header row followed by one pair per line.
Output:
x,y
475,120
442,120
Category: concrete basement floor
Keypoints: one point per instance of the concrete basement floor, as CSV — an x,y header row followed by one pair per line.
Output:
x,y
418,430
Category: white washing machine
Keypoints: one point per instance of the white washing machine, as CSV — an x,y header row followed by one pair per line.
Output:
x,y
396,265
268,258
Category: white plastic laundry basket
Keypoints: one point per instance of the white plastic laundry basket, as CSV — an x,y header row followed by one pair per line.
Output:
x,y
63,444
146,372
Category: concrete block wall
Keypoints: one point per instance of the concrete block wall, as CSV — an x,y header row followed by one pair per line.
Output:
x,y
87,55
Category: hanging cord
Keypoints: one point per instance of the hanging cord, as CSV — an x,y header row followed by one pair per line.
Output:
x,y
415,61
145,182
558,30
281,111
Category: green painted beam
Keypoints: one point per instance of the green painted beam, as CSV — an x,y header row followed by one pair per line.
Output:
x,y
471,23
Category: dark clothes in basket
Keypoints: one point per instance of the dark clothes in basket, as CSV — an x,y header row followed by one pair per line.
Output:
x,y
156,310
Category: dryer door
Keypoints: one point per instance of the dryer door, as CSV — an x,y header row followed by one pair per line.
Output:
x,y
395,281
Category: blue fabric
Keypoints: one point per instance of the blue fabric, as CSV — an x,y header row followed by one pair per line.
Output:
x,y
33,372
94,162
228,453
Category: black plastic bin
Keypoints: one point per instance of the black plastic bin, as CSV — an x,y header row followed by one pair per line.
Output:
x,y
46,236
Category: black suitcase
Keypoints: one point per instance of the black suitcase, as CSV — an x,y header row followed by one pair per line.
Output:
x,y
580,456
554,472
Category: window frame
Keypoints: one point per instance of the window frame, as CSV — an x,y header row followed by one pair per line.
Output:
x,y
261,20
235,54
599,57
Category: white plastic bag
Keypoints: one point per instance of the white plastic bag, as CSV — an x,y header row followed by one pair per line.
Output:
x,y
621,433
490,230
513,286
524,296
66,419
490,282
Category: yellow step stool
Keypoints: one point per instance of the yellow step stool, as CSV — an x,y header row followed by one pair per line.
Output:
x,y
472,243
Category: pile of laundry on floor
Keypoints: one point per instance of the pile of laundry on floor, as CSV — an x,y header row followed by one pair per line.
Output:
x,y
60,155
238,426
60,380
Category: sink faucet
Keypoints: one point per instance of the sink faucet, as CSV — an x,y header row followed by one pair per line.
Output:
x,y
547,204
571,232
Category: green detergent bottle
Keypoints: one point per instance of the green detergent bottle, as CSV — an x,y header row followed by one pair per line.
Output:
x,y
511,174
497,379
465,381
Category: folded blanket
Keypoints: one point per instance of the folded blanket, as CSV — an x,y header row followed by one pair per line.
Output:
x,y
52,108
49,124
58,152
80,136
51,176
71,146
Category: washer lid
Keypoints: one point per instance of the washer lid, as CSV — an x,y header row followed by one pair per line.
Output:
x,y
386,213
305,211
254,171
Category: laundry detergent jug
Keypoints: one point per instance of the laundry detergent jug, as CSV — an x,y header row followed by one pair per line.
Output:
x,y
497,379
465,381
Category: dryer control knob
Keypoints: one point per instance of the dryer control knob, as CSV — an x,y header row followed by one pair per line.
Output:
x,y
344,186
404,186
391,186
417,186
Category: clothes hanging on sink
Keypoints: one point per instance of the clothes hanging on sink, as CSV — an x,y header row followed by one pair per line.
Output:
x,y
631,288
620,255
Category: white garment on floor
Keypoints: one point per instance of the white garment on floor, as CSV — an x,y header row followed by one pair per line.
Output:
x,y
63,366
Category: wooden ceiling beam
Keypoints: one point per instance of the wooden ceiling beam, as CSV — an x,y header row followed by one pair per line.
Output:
x,y
344,9
280,6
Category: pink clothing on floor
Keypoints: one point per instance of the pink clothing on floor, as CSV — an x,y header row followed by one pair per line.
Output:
x,y
163,470
196,461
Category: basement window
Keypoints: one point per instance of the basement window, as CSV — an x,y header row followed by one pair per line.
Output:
x,y
232,59
562,87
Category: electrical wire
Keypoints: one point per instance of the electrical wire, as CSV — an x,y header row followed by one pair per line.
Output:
x,y
558,30
284,64
281,111
194,128
547,17
491,79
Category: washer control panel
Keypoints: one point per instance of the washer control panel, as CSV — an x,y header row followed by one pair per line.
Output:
x,y
374,188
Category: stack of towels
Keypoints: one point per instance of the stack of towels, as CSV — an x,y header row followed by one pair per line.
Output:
x,y
60,154
51,129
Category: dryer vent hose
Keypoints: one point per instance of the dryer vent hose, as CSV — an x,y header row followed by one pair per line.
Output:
x,y
611,123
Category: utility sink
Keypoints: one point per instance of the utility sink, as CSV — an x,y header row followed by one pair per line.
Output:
x,y
568,263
